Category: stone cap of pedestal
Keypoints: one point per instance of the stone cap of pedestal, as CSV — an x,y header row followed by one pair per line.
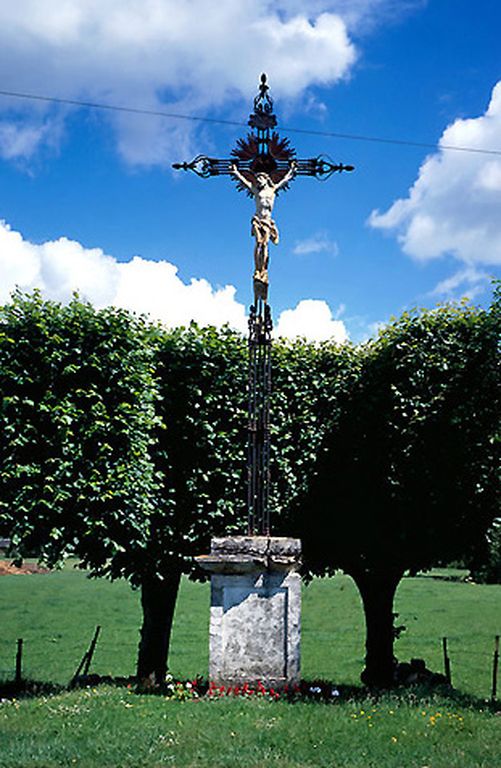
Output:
x,y
245,554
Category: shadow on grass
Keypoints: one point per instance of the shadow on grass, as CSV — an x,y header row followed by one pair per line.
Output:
x,y
415,694
419,694
307,691
12,689
26,689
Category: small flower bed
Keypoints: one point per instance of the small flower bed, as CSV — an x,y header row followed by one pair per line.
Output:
x,y
318,690
183,690
245,691
199,687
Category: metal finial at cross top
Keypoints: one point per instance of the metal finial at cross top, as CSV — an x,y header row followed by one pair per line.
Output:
x,y
262,164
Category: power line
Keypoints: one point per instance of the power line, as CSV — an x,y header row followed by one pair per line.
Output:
x,y
237,123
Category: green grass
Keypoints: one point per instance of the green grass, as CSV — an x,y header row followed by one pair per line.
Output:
x,y
114,727
56,615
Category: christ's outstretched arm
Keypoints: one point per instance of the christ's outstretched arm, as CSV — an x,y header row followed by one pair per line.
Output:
x,y
234,170
288,176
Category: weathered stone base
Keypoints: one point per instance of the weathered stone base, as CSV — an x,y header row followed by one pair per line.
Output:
x,y
255,617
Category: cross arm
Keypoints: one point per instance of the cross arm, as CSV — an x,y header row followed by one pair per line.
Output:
x,y
320,167
205,166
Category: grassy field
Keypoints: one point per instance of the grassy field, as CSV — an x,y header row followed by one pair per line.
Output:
x,y
112,727
56,615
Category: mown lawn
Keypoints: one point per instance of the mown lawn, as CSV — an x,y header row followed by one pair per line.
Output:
x,y
56,615
114,727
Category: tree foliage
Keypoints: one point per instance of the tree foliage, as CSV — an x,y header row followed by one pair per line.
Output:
x,y
310,383
408,474
199,445
124,444
78,408
488,569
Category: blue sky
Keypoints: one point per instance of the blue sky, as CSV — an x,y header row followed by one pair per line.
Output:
x,y
89,202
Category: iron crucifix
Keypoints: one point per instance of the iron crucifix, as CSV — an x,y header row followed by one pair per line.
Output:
x,y
262,164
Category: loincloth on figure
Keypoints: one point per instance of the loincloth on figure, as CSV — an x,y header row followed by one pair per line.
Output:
x,y
264,230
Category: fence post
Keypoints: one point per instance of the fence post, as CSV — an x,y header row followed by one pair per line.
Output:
x,y
19,661
86,659
495,663
90,652
447,661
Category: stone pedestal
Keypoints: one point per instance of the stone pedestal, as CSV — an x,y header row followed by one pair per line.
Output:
x,y
255,615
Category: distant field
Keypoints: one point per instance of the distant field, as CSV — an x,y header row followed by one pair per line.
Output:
x,y
56,615
107,727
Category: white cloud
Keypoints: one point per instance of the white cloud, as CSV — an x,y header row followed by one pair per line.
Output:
x,y
61,267
454,206
312,318
466,283
20,141
168,55
317,243
154,287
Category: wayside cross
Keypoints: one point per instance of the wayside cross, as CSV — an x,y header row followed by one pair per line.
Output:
x,y
263,164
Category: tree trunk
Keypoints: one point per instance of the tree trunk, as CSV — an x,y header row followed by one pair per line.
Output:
x,y
158,601
377,589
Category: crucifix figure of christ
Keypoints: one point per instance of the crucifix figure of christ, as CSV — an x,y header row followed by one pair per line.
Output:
x,y
263,228
263,164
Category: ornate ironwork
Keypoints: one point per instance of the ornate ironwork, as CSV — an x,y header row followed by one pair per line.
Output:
x,y
261,151
271,154
202,165
259,387
249,162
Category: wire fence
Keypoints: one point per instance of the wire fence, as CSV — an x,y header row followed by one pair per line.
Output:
x,y
463,667
61,663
